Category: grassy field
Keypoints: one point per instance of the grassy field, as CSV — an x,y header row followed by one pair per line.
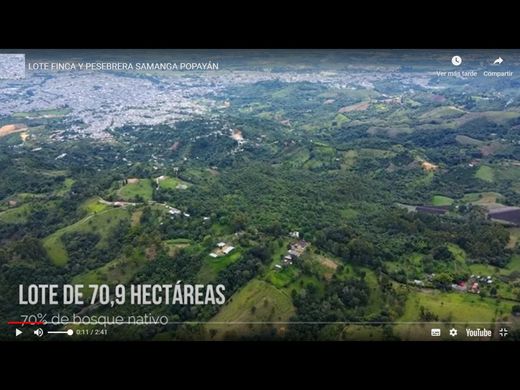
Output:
x,y
212,266
16,215
101,223
66,187
349,159
459,264
442,113
93,206
282,277
326,266
458,253
135,220
509,173
439,200
297,158
375,300
131,191
485,173
501,117
114,272
323,153
118,271
465,140
340,119
484,269
514,237
258,301
176,241
454,307
170,183
175,245
362,333
514,264
482,198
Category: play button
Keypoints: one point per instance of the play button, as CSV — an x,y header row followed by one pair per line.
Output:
x,y
18,332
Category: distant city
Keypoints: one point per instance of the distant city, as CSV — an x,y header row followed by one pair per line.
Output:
x,y
98,101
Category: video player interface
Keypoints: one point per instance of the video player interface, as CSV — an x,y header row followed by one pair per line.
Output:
x,y
316,195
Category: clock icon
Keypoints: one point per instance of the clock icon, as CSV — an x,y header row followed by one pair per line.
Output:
x,y
456,60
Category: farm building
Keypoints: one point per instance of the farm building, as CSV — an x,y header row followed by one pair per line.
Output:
x,y
227,249
298,248
295,251
222,249
507,214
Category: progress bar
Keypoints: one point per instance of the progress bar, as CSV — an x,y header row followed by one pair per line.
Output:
x,y
277,323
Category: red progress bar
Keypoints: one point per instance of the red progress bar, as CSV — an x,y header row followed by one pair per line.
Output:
x,y
26,323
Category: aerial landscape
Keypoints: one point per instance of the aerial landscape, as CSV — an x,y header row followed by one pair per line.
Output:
x,y
337,195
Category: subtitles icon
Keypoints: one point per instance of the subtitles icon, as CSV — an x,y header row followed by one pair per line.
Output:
x,y
436,332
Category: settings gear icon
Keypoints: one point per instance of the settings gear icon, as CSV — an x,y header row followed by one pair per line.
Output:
x,y
453,332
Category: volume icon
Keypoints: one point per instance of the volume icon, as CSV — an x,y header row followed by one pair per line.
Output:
x,y
39,332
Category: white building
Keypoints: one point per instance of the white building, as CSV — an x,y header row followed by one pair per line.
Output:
x,y
228,249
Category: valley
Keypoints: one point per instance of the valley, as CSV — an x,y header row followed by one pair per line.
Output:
x,y
333,204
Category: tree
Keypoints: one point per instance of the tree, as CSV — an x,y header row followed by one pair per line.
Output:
x,y
360,251
3,257
442,253
442,281
239,222
426,315
30,249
